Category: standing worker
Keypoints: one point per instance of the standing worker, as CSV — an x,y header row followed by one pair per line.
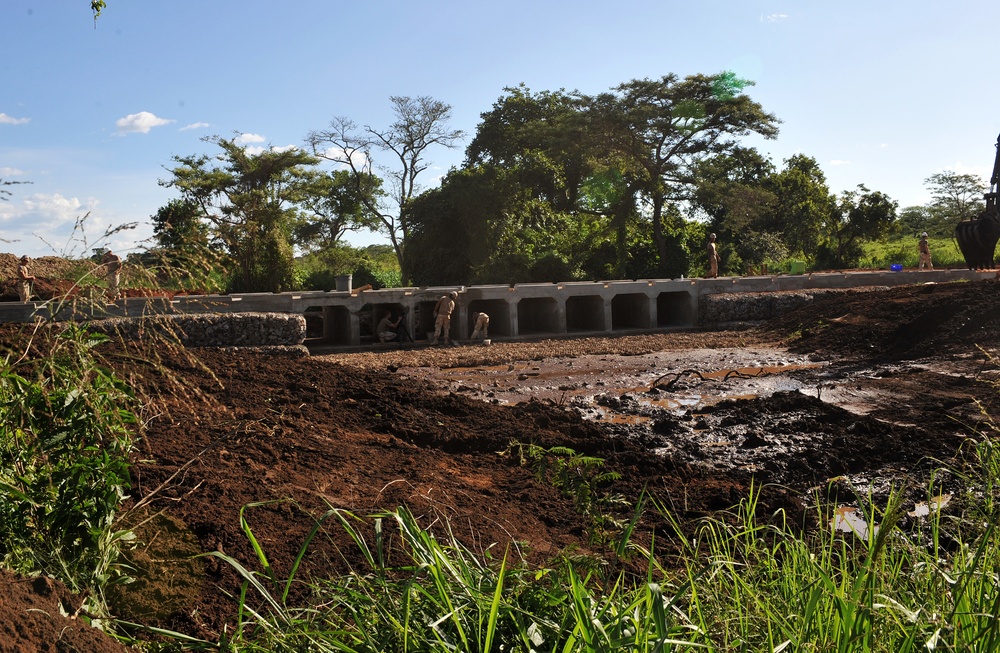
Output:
x,y
713,258
24,290
925,253
113,266
482,325
442,316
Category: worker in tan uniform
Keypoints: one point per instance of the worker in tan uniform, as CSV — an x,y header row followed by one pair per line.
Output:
x,y
925,253
480,331
442,316
113,269
25,278
713,258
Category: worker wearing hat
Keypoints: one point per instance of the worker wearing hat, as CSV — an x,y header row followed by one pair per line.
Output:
x,y
713,258
925,253
25,277
442,316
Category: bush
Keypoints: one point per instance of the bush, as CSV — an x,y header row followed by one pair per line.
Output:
x,y
64,445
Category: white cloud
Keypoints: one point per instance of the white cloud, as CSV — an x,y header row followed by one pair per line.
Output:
x,y
773,18
245,139
284,148
11,120
194,125
11,172
43,224
54,205
140,122
839,162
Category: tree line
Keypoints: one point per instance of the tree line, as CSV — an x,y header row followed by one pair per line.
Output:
x,y
554,185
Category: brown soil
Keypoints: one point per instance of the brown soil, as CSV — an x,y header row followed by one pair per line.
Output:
x,y
867,388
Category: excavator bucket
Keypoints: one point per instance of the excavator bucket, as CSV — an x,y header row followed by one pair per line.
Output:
x,y
977,238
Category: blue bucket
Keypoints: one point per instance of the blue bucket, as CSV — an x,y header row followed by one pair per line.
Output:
x,y
896,267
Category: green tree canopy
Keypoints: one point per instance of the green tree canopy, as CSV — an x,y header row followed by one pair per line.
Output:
x,y
860,215
250,199
954,197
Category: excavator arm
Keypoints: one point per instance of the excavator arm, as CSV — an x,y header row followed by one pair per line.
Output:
x,y
977,238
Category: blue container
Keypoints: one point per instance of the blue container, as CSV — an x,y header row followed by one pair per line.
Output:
x,y
896,267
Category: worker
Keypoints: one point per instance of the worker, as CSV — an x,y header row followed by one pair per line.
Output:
x,y
112,265
442,316
482,326
386,329
25,278
713,258
925,253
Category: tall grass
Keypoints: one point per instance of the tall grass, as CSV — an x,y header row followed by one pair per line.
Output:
x,y
880,255
742,581
66,430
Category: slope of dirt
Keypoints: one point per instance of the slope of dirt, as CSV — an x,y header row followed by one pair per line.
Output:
x,y
865,386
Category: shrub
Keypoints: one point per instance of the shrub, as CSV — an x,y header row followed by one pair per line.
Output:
x,y
64,444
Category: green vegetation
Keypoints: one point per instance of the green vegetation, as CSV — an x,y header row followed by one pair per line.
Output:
x,y
741,581
879,255
66,430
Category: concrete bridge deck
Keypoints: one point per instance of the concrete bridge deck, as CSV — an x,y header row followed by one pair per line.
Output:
x,y
346,318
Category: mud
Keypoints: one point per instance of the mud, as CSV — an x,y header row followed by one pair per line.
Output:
x,y
837,399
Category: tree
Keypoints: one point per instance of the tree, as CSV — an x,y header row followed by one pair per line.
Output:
x,y
914,220
179,229
666,127
803,205
860,215
954,197
250,200
420,124
335,203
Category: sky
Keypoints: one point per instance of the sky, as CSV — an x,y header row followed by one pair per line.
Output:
x,y
880,92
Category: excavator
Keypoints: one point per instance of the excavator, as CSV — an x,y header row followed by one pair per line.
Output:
x,y
977,238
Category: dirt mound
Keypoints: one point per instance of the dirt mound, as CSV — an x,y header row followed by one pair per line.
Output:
x,y
38,614
900,323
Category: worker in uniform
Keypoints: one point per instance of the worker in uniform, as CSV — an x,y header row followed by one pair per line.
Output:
x,y
713,258
386,329
925,253
442,316
113,269
480,331
25,278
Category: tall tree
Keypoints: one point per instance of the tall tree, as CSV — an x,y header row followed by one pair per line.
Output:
x,y
803,205
860,215
250,200
954,197
665,127
421,123
336,202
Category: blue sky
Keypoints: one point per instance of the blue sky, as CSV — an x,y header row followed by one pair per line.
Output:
x,y
880,92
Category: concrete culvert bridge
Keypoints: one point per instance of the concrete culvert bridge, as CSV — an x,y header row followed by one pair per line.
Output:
x,y
348,318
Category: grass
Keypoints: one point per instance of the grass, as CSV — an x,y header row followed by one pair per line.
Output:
x,y
741,581
880,255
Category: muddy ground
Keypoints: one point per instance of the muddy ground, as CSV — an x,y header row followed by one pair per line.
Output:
x,y
862,390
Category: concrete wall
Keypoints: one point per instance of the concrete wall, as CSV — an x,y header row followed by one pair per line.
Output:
x,y
519,311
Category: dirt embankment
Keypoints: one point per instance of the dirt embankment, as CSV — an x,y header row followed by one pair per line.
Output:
x,y
867,385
